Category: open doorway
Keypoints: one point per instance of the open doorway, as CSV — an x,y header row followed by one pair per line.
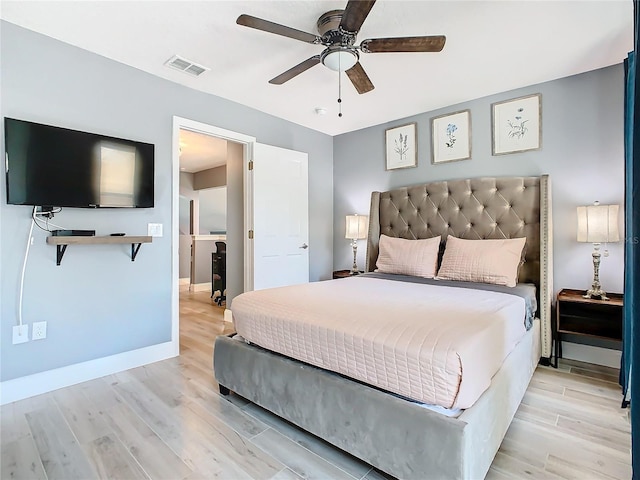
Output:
x,y
202,206
202,239
239,149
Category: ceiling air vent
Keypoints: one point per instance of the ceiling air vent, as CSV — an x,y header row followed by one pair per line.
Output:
x,y
186,66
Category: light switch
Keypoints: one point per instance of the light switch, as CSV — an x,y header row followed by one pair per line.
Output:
x,y
154,229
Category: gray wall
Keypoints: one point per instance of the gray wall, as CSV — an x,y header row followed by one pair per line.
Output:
x,y
235,222
212,177
187,191
98,302
582,150
184,238
187,194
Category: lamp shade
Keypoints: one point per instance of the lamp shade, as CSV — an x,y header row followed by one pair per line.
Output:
x,y
357,227
598,223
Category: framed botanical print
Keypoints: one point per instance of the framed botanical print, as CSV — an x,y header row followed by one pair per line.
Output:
x,y
517,125
401,148
451,137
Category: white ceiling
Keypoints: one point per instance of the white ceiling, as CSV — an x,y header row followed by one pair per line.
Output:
x,y
201,152
492,47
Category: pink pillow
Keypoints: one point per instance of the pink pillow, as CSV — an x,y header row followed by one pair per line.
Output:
x,y
485,261
418,258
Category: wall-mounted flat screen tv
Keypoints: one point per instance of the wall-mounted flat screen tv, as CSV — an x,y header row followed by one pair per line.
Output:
x,y
58,167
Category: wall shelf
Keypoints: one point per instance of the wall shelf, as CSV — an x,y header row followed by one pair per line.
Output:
x,y
62,242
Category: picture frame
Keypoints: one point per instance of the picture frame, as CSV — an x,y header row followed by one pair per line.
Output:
x,y
401,146
451,137
516,125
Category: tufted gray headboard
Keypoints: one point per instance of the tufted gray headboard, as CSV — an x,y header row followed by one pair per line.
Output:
x,y
476,208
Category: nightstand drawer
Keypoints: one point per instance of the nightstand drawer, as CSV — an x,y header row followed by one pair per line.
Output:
x,y
582,316
590,320
343,274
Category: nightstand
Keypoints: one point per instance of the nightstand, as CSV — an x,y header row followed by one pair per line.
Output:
x,y
587,316
343,273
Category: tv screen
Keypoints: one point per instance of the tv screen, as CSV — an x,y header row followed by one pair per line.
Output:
x,y
58,167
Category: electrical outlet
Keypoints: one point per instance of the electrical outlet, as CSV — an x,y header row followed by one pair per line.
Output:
x,y
39,330
20,334
154,229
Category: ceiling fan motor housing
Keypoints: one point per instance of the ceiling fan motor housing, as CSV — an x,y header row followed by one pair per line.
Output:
x,y
329,21
329,28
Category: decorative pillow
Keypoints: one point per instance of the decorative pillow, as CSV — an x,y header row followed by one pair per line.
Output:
x,y
418,258
486,261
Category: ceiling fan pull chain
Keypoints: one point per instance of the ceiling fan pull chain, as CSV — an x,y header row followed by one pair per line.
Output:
x,y
339,88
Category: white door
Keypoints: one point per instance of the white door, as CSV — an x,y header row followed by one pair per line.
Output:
x,y
280,217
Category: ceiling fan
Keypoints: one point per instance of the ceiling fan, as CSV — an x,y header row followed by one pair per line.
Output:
x,y
338,30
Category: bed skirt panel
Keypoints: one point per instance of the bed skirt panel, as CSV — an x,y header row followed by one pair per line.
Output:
x,y
368,423
489,418
394,435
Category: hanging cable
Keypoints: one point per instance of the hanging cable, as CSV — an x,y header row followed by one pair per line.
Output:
x,y
24,267
48,216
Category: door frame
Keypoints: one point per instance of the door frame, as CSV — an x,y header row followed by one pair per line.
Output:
x,y
248,143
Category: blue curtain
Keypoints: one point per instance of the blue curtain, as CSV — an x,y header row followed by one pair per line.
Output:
x,y
629,376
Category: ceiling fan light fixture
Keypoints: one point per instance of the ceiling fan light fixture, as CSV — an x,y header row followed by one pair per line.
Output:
x,y
339,60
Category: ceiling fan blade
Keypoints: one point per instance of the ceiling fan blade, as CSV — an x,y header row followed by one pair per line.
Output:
x,y
360,79
267,26
355,14
434,43
297,70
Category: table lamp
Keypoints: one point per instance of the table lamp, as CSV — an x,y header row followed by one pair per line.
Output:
x,y
597,224
356,229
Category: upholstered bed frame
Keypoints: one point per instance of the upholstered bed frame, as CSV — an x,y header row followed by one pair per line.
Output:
x,y
394,435
477,208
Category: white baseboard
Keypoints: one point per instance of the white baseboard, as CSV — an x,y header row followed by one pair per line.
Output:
x,y
43,382
184,285
591,354
228,316
200,287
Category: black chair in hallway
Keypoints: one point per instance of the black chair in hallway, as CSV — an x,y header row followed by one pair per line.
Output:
x,y
219,272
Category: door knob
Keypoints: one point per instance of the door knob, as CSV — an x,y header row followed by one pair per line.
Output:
x,y
304,245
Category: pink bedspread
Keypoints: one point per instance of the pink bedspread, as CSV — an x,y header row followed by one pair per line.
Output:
x,y
434,344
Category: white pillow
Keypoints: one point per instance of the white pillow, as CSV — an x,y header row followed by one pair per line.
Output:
x,y
418,258
486,261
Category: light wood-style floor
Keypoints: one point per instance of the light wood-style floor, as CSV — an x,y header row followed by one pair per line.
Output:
x,y
167,421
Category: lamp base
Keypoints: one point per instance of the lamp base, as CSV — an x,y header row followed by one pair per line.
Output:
x,y
597,294
354,269
595,291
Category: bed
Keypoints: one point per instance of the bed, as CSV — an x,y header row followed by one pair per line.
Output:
x,y
388,426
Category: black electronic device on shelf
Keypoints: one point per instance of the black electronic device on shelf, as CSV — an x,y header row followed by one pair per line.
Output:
x,y
73,233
